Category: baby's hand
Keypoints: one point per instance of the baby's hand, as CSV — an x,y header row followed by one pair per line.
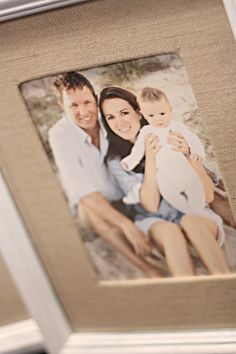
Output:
x,y
196,157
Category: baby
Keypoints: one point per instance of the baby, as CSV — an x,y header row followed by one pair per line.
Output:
x,y
178,183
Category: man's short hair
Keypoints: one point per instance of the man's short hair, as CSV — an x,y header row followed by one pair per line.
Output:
x,y
73,80
150,94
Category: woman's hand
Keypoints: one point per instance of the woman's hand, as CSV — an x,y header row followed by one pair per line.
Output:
x,y
137,239
152,146
196,157
178,143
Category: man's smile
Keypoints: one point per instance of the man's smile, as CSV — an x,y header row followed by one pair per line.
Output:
x,y
85,119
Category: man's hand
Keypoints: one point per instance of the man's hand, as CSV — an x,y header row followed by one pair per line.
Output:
x,y
140,243
103,209
178,143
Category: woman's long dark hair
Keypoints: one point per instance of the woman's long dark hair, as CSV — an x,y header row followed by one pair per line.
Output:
x,y
118,147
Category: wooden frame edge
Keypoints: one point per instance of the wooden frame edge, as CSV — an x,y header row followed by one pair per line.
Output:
x,y
22,8
21,337
190,342
25,266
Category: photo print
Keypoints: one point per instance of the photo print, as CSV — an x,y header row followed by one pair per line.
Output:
x,y
137,169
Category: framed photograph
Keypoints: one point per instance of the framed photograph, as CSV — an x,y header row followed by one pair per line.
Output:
x,y
118,158
135,111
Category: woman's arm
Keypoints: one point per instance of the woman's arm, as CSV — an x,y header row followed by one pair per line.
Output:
x,y
149,192
208,185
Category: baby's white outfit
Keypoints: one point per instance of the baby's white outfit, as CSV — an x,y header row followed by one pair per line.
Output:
x,y
178,183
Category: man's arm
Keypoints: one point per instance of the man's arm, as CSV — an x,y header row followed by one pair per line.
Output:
x,y
102,208
74,181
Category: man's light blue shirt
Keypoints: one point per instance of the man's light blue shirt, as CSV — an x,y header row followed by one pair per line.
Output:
x,y
81,164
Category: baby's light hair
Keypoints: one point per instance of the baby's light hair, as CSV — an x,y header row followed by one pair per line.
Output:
x,y
150,94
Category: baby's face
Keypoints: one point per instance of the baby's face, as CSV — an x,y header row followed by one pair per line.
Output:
x,y
157,113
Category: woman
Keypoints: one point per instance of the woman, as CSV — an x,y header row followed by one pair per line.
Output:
x,y
166,227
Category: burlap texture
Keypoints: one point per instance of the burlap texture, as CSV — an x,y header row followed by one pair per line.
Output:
x,y
92,34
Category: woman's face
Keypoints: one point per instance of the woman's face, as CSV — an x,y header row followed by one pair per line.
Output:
x,y
123,120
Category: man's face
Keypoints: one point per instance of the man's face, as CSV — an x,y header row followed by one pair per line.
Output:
x,y
81,107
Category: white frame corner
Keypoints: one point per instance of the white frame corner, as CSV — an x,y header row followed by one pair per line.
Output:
x,y
43,305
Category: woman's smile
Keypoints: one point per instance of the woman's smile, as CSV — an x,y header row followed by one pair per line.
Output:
x,y
125,129
122,119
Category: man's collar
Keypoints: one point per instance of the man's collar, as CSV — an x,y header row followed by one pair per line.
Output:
x,y
102,128
82,133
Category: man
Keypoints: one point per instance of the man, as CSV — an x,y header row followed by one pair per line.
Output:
x,y
79,145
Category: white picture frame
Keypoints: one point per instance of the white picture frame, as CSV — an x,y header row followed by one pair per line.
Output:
x,y
21,337
36,289
25,266
18,8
